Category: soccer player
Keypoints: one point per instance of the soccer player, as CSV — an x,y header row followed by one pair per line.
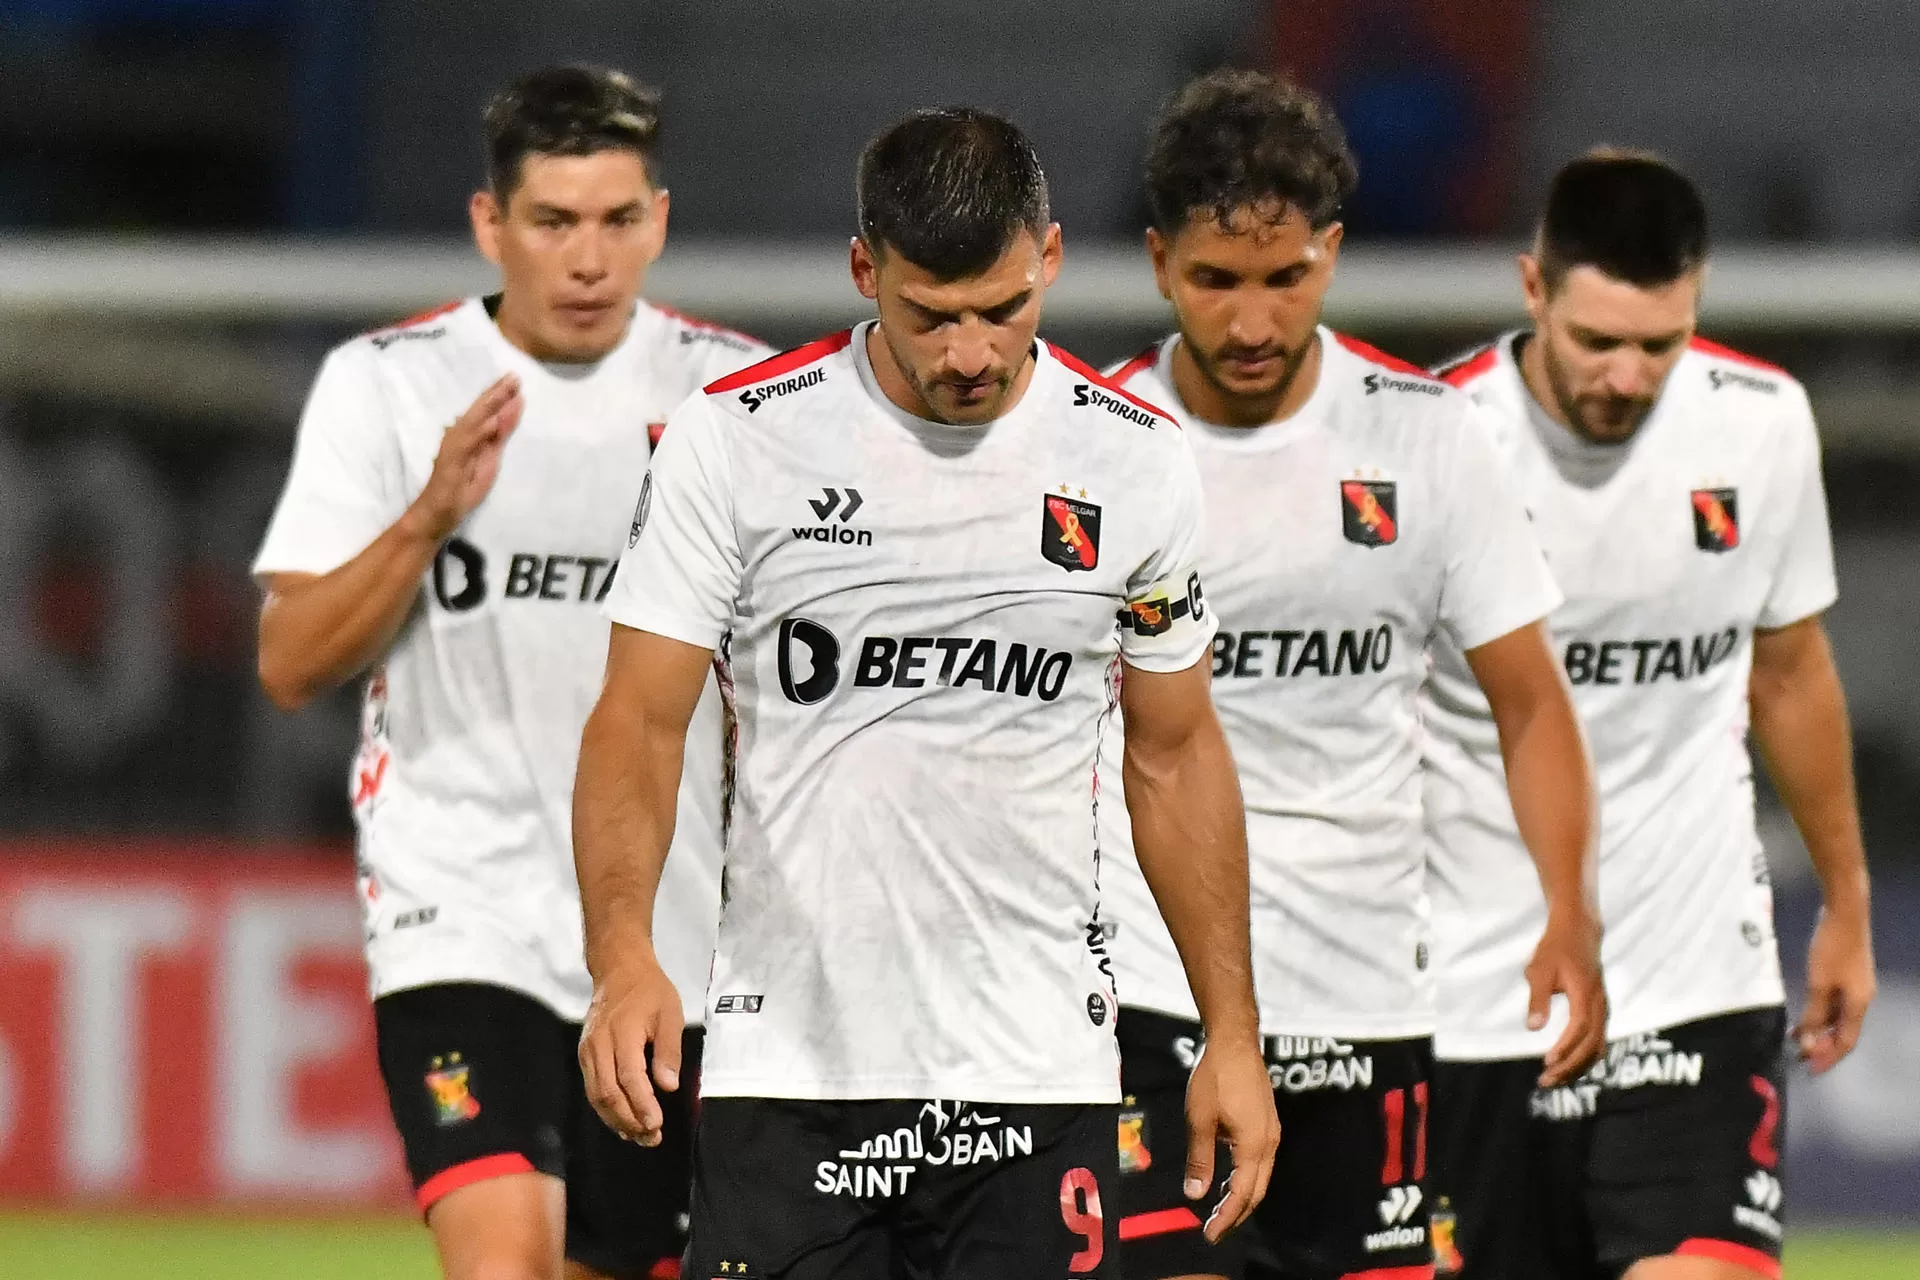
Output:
x,y
460,567
1675,486
918,534
1355,509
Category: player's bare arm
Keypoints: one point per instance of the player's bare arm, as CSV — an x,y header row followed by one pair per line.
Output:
x,y
1799,716
623,813
1550,779
320,630
1189,832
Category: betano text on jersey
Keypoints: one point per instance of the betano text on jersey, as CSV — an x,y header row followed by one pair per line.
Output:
x,y
463,787
923,618
1340,542
1671,549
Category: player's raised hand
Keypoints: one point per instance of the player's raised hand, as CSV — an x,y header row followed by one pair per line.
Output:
x,y
469,459
1230,1099
1840,986
635,1015
1567,962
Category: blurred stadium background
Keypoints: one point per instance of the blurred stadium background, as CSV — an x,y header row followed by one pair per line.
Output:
x,y
198,197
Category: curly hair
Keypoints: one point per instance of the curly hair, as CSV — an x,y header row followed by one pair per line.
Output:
x,y
1246,140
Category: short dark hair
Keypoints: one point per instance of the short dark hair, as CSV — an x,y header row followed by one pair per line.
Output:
x,y
572,110
1234,140
948,188
1630,215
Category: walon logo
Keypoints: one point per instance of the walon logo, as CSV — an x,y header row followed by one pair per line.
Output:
x,y
824,509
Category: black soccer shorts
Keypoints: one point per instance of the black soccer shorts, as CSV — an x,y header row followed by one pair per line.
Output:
x,y
1671,1145
787,1189
1689,1144
484,1081
1348,1194
1509,1173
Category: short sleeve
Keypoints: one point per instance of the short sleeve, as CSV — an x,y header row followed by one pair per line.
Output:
x,y
1166,625
346,485
681,572
1804,582
1495,579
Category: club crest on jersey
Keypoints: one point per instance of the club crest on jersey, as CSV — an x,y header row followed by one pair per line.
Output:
x,y
1716,519
1070,532
1369,512
453,1102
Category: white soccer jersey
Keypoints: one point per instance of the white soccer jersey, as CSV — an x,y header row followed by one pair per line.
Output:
x,y
1671,550
923,621
1340,541
463,789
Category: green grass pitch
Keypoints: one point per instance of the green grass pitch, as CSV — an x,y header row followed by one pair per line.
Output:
x,y
78,1247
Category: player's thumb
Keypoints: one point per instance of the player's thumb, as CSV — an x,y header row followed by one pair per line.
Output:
x,y
1539,996
666,1047
1202,1141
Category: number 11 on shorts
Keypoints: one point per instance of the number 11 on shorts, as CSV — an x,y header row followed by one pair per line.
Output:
x,y
1393,1105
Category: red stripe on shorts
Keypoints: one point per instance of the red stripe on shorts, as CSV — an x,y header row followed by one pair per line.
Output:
x,y
1158,1223
447,1181
1739,1255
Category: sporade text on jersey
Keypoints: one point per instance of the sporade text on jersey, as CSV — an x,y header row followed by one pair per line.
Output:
x,y
754,397
1086,393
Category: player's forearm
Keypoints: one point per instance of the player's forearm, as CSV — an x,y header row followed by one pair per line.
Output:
x,y
624,796
1799,717
1550,780
1189,834
322,631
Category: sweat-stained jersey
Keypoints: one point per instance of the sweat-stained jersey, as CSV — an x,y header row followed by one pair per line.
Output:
x,y
463,789
1340,542
1671,549
922,618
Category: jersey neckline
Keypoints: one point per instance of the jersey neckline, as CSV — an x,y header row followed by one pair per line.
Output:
x,y
1268,435
1582,463
475,311
945,435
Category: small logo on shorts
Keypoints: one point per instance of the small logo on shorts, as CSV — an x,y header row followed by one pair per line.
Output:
x,y
1097,1009
1752,933
738,1004
1762,1216
1420,956
1134,1155
1396,1213
1446,1254
447,1084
